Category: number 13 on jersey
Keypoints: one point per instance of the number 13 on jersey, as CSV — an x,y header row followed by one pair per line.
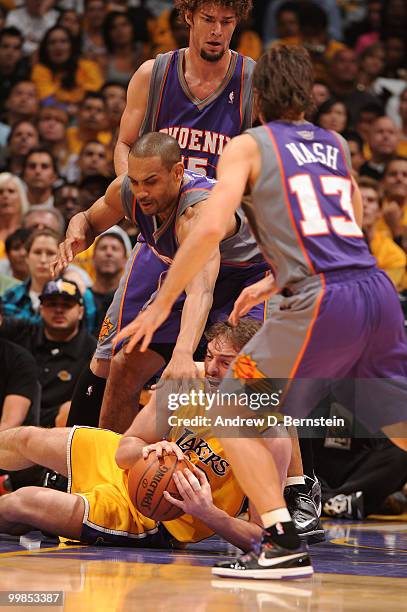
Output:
x,y
314,222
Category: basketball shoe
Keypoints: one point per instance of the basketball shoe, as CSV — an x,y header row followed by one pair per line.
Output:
x,y
305,509
270,562
345,506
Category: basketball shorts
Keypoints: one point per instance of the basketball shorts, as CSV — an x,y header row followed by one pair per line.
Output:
x,y
341,333
142,278
110,517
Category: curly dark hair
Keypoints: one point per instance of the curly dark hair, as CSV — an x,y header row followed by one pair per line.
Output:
x,y
282,81
69,68
237,336
242,8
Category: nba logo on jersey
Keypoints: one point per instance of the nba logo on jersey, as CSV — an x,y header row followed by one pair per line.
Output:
x,y
307,135
231,97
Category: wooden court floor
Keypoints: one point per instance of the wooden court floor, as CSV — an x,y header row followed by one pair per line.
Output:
x,y
361,566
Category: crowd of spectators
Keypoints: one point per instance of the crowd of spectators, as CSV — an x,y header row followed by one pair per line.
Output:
x,y
64,70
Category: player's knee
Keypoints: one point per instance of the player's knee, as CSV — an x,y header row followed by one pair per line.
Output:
x,y
100,367
16,507
27,436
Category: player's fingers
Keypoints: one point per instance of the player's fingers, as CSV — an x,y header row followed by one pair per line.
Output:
x,y
193,480
182,485
176,502
147,339
200,474
178,452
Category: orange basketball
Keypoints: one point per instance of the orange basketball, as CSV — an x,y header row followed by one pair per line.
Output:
x,y
148,479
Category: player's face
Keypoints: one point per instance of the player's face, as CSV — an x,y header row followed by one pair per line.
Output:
x,y
370,199
212,27
219,355
155,187
395,180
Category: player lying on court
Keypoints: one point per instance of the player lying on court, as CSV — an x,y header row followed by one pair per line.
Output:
x,y
165,202
340,317
98,508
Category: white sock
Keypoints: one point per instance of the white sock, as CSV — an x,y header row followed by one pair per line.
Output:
x,y
281,515
294,480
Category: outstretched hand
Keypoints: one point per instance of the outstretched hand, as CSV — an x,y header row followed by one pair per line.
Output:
x,y
143,327
251,296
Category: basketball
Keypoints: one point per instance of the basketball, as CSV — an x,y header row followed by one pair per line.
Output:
x,y
148,479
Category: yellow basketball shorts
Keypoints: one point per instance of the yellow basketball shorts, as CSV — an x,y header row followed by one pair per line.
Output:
x,y
110,517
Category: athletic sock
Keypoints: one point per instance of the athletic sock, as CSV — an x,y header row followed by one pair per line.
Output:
x,y
87,400
307,457
280,529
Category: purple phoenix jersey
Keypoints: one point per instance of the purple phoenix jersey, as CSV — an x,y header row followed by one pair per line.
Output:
x,y
337,326
240,249
302,202
173,109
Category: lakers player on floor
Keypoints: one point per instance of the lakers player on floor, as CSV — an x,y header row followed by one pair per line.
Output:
x,y
98,508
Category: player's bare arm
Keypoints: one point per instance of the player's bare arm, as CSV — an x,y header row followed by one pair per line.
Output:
x,y
133,115
238,166
357,203
251,296
197,501
143,433
85,226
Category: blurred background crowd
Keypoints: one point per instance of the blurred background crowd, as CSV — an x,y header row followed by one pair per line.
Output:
x,y
64,70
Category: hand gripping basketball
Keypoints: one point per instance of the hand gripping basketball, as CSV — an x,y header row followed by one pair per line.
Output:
x,y
159,447
195,491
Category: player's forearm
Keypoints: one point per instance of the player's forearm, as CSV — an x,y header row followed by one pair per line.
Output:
x,y
191,257
242,534
193,320
129,451
121,154
80,226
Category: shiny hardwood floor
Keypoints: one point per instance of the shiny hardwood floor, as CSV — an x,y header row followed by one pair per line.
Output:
x,y
361,566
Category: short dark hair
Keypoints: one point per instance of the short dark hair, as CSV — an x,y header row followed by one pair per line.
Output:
x,y
17,124
327,106
371,107
92,95
20,236
282,81
311,17
241,8
157,144
352,136
238,335
108,84
368,182
12,32
393,159
44,151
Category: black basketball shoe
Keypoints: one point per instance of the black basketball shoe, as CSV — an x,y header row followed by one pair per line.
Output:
x,y
304,513
272,562
346,506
